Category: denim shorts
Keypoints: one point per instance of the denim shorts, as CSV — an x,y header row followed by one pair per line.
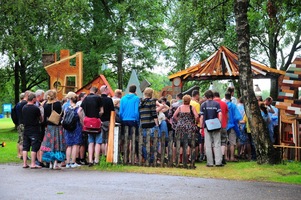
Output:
x,y
95,138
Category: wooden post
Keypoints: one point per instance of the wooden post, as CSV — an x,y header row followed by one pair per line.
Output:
x,y
125,147
192,153
111,138
147,147
140,143
170,148
162,148
178,149
116,143
155,147
133,153
184,151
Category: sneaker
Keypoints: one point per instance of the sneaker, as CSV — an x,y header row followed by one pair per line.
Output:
x,y
68,165
78,161
83,162
74,165
201,158
91,164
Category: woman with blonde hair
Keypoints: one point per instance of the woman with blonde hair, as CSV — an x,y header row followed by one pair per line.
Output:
x,y
186,117
53,145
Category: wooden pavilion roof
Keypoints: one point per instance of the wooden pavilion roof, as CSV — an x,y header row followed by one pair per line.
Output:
x,y
222,64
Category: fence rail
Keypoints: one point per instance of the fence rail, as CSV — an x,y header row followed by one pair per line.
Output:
x,y
152,149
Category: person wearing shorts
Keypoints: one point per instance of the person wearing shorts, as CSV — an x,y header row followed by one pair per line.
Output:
x,y
31,137
92,106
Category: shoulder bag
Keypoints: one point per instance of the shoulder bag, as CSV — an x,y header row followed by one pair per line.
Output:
x,y
54,117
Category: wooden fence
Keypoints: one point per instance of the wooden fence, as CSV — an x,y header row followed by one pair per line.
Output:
x,y
152,150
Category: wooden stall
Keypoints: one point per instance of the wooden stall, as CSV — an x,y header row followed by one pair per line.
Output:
x,y
221,65
290,112
65,74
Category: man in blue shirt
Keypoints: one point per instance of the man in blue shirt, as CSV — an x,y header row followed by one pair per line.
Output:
x,y
129,112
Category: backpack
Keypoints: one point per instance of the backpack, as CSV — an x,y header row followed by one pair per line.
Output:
x,y
70,119
14,115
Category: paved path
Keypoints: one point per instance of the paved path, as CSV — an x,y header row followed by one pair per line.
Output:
x,y
19,183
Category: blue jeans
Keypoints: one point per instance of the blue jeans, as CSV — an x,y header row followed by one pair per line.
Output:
x,y
144,132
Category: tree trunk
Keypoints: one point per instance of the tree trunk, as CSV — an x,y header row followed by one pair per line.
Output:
x,y
23,76
17,82
119,68
274,88
264,148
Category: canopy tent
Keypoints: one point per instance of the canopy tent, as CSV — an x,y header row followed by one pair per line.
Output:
x,y
223,64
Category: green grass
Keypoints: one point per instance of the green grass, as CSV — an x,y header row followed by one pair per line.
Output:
x,y
290,172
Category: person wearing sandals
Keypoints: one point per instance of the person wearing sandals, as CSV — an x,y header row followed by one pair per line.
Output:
x,y
73,138
53,145
186,117
32,119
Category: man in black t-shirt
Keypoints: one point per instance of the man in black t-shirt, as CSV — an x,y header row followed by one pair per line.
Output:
x,y
20,126
31,120
108,107
92,106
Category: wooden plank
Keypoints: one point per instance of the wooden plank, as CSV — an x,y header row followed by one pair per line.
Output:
x,y
287,91
110,150
125,147
163,149
133,151
284,97
292,76
170,148
286,94
296,110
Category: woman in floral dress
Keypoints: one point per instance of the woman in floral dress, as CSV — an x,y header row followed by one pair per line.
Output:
x,y
53,145
186,117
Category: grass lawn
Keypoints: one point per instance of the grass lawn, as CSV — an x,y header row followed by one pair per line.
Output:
x,y
290,172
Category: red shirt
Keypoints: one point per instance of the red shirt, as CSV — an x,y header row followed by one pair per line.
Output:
x,y
224,109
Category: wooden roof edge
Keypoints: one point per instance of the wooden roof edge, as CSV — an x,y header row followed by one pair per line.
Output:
x,y
64,59
266,68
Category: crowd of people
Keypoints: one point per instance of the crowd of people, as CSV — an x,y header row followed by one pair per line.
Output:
x,y
188,117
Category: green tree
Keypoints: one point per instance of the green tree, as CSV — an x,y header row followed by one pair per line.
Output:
x,y
27,29
275,33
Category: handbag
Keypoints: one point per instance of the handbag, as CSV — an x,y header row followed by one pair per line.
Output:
x,y
54,117
92,125
213,124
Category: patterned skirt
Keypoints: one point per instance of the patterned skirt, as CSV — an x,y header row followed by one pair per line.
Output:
x,y
53,145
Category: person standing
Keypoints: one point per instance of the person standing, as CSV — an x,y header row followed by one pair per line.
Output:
x,y
209,110
233,126
53,145
108,107
148,118
19,144
73,138
81,157
195,99
39,103
224,135
129,114
186,117
32,132
20,127
92,106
